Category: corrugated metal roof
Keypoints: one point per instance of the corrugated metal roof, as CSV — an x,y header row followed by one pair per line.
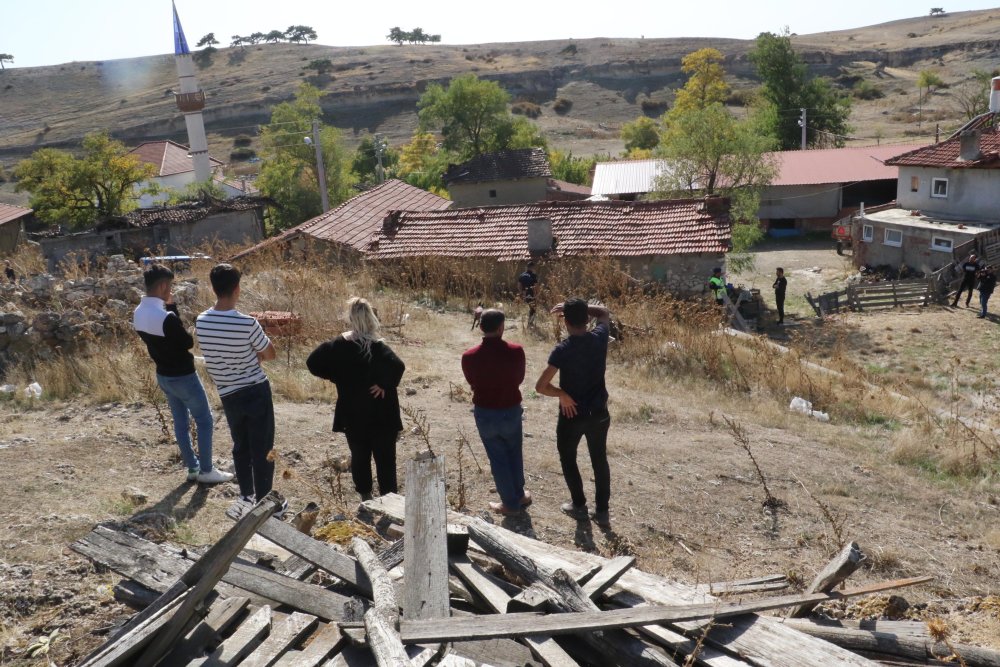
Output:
x,y
627,177
9,213
613,228
836,165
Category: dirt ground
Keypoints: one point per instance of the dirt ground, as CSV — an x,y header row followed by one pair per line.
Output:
x,y
685,498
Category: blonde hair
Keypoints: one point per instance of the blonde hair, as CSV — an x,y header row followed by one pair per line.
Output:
x,y
365,326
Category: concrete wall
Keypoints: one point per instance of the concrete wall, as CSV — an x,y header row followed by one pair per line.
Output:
x,y
973,194
166,184
916,251
525,191
9,235
799,201
686,275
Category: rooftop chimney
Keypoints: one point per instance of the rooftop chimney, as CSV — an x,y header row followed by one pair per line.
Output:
x,y
995,94
539,236
968,150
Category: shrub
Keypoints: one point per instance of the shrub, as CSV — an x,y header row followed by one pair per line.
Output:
x,y
569,50
562,105
242,140
741,98
652,107
865,90
242,154
524,108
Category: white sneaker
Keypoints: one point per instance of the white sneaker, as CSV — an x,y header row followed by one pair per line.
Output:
x,y
214,476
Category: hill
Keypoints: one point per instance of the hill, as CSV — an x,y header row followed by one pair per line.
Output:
x,y
376,88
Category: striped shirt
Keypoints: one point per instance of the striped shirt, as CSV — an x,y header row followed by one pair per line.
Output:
x,y
230,342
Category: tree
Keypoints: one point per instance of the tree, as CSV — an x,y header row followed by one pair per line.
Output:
x,y
102,183
321,65
254,38
300,33
237,41
397,35
926,80
288,173
5,58
706,84
422,163
469,113
787,87
566,167
207,40
434,38
364,164
643,133
417,36
972,97
274,37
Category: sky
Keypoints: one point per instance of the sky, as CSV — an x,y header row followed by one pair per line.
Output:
x,y
49,32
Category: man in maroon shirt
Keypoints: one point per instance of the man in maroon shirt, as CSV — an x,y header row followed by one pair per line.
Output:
x,y
495,369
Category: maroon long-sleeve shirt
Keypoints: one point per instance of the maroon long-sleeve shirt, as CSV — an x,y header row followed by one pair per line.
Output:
x,y
495,369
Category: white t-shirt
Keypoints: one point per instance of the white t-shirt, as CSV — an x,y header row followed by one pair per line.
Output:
x,y
230,342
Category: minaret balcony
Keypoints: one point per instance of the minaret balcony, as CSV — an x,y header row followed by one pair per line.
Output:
x,y
188,102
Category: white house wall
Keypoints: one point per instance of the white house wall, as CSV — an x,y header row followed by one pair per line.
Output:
x,y
973,194
166,185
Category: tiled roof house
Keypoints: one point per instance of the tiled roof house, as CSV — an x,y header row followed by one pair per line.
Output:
x,y
11,225
516,176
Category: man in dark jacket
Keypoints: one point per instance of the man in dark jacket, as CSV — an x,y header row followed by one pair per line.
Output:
x,y
780,285
970,269
158,323
987,283
495,370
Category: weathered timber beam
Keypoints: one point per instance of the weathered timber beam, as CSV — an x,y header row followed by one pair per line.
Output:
x,y
836,572
425,540
608,575
384,593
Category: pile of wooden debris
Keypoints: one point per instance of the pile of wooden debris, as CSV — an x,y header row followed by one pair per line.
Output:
x,y
456,590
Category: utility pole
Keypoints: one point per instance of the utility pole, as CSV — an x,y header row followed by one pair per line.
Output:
x,y
802,123
380,170
320,168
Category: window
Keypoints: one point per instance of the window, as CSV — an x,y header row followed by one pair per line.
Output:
x,y
893,237
942,244
867,233
939,187
493,194
914,183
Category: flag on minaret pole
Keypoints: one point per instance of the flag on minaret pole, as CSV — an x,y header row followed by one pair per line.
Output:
x,y
180,41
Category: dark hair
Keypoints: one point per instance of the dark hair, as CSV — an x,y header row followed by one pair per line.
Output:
x,y
716,270
225,279
780,269
491,320
575,311
155,275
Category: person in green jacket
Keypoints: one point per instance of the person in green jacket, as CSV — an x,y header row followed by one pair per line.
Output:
x,y
717,285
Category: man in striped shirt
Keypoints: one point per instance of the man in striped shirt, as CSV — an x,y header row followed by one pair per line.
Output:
x,y
234,344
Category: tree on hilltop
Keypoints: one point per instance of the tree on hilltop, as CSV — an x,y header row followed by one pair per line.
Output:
x,y
300,33
237,41
417,36
5,58
397,35
207,40
274,37
254,38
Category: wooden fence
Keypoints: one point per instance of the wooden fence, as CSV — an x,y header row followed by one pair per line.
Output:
x,y
871,296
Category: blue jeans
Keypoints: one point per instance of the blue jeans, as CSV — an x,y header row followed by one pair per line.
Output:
x,y
250,413
500,431
984,299
186,395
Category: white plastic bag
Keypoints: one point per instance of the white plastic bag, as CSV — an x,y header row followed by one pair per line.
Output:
x,y
33,390
802,406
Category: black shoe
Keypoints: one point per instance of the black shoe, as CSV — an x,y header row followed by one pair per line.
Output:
x,y
602,519
575,511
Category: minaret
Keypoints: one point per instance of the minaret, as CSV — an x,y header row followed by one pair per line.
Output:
x,y
191,100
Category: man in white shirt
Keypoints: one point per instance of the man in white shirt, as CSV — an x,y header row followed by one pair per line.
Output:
x,y
234,344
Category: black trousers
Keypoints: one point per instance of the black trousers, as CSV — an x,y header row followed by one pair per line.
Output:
x,y
968,283
250,414
594,427
779,302
366,445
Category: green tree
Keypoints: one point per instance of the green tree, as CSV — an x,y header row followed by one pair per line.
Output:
x,y
288,172
422,163
417,36
643,133
972,97
322,66
193,192
364,164
787,87
255,38
397,35
5,58
567,167
104,182
207,40
926,80
706,84
274,37
237,41
300,33
473,118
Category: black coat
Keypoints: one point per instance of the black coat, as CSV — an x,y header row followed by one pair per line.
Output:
x,y
342,362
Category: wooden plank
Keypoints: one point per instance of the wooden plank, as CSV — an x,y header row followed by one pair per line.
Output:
x,y
384,591
750,638
209,570
311,599
122,649
683,647
240,644
352,656
608,575
318,553
208,633
913,648
773,582
284,634
325,641
392,555
835,573
911,629
425,541
383,639
422,656
519,625
295,567
537,597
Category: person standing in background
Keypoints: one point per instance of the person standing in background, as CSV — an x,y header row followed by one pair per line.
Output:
x,y
780,285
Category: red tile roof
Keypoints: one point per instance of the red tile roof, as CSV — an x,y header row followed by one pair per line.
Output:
x,y
613,228
500,166
836,165
9,213
168,157
355,221
946,153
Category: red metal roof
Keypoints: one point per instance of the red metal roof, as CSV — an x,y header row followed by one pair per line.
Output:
x,y
9,213
613,228
168,157
836,165
946,153
355,221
